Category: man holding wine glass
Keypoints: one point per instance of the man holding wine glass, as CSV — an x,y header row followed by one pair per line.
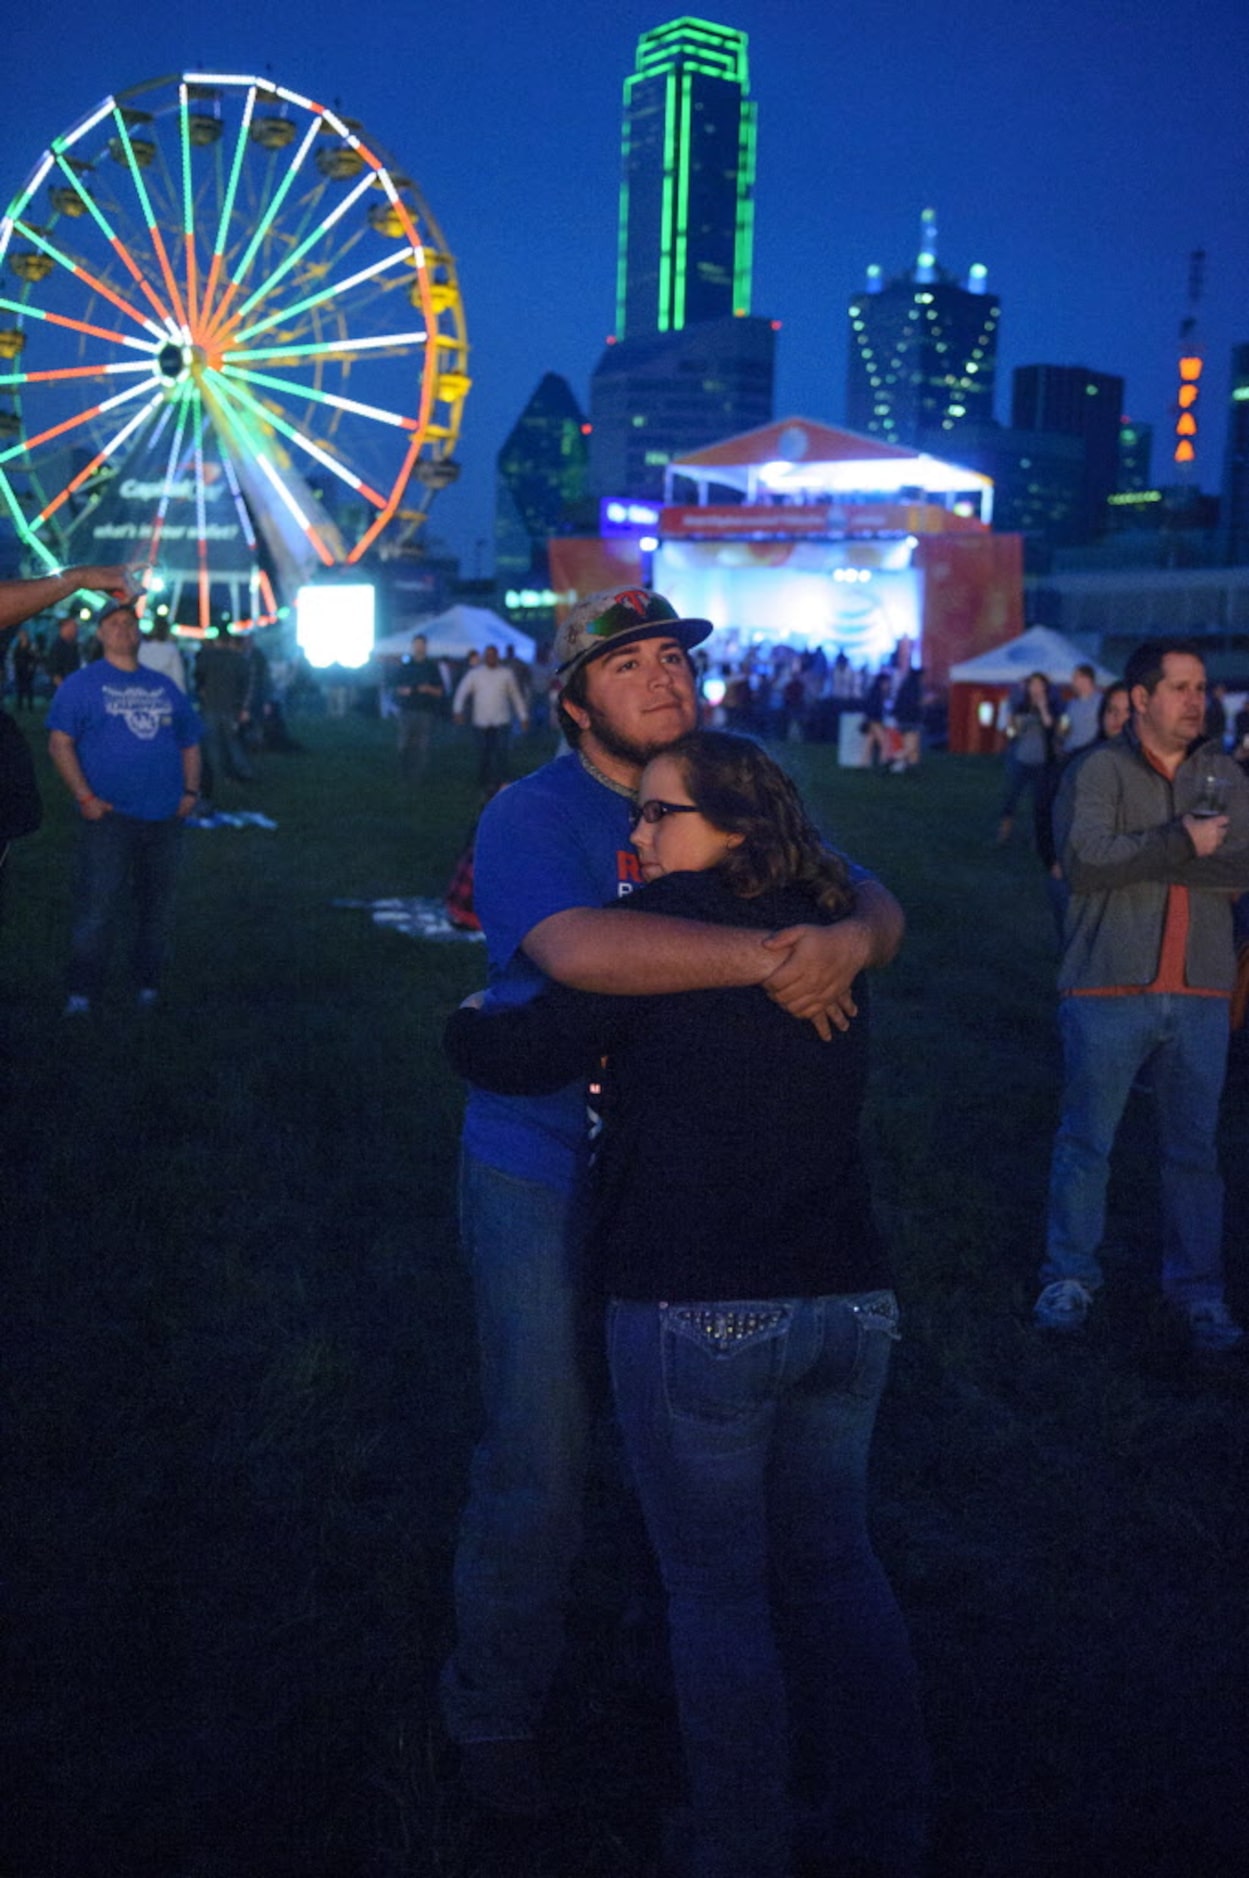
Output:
x,y
1153,831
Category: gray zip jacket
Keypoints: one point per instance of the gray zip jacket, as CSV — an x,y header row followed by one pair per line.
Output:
x,y
1119,829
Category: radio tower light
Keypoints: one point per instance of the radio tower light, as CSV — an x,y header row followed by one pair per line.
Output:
x,y
1190,367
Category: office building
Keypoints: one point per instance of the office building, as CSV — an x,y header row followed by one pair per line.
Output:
x,y
1038,484
688,169
1136,449
662,396
541,486
1072,401
923,353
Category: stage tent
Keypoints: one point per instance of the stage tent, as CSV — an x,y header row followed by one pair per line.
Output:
x,y
979,687
802,532
798,456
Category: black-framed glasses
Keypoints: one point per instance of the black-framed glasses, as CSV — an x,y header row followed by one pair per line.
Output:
x,y
654,810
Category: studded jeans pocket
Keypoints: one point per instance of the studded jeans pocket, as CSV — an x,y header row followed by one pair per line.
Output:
x,y
723,1362
721,1327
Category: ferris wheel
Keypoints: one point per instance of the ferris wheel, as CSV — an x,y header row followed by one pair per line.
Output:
x,y
232,346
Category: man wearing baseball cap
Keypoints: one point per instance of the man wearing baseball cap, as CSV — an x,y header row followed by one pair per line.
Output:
x,y
551,851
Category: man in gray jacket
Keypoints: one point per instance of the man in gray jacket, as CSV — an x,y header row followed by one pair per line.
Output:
x,y
1153,830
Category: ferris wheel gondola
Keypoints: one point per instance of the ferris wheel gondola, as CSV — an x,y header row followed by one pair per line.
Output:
x,y
232,345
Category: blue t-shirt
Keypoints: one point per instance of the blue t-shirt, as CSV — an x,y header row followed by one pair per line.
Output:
x,y
554,840
129,731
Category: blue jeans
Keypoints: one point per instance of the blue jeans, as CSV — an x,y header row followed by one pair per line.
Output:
x,y
749,1452
1106,1041
1021,779
223,750
491,752
116,854
521,1528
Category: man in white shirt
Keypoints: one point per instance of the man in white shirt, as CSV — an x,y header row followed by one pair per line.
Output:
x,y
490,697
158,653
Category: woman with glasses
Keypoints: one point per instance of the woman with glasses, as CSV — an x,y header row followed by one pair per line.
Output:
x,y
750,1320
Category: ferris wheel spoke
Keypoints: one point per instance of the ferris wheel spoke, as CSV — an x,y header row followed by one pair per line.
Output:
x,y
17,379
27,311
329,349
263,226
333,291
205,614
323,228
152,225
188,201
227,206
266,415
240,506
297,392
115,242
88,279
292,507
243,432
110,449
175,450
28,444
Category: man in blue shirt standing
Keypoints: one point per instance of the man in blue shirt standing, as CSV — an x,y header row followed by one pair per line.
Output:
x,y
125,742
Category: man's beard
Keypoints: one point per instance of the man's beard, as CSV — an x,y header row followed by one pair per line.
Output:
x,y
626,749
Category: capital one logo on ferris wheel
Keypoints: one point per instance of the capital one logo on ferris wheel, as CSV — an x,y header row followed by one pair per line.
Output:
x,y
135,490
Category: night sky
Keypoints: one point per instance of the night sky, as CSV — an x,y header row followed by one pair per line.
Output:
x,y
1080,152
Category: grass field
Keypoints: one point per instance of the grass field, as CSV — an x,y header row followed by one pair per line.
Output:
x,y
238,1397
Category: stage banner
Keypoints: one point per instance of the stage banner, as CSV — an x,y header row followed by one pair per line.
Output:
x,y
972,597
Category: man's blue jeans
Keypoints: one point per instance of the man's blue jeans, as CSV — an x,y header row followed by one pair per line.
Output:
x,y
748,1425
1106,1042
491,752
120,853
521,1529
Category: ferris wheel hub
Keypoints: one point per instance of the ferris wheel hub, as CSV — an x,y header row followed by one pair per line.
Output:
x,y
174,361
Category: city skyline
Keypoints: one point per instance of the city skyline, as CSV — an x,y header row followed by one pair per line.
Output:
x,y
1079,158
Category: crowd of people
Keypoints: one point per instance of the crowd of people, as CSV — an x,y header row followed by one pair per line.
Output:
x,y
666,1076
777,693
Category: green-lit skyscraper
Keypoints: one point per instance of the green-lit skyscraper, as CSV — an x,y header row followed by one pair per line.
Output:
x,y
687,189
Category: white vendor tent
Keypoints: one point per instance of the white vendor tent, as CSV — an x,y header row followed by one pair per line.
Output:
x,y
456,633
979,687
1040,649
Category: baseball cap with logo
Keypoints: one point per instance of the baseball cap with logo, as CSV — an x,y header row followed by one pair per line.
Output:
x,y
603,622
132,605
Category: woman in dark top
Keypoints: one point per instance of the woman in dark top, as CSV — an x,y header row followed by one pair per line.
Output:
x,y
1032,750
749,1328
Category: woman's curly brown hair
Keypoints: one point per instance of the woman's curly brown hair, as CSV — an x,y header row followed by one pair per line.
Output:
x,y
743,791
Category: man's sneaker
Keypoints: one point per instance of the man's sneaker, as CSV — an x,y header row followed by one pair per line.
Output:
x,y
1064,1305
77,1006
1212,1327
